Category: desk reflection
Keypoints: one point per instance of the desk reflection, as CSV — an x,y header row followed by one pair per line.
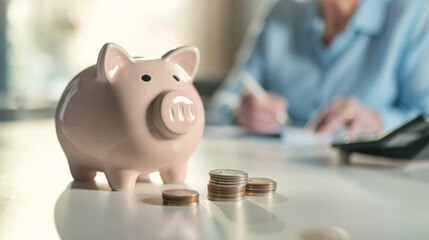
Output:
x,y
88,210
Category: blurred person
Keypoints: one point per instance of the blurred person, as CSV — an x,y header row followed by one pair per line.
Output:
x,y
362,65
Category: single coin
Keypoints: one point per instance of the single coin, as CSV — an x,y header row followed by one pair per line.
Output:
x,y
190,200
261,181
180,204
232,173
187,199
180,194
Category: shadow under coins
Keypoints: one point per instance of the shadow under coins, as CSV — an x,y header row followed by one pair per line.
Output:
x,y
253,217
87,210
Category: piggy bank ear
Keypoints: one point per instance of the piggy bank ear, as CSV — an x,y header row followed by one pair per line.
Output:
x,y
186,58
111,60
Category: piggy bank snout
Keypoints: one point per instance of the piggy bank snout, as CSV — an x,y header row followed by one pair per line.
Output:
x,y
173,113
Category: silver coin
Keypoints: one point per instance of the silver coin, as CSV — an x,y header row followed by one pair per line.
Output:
x,y
261,181
226,187
228,173
228,178
227,183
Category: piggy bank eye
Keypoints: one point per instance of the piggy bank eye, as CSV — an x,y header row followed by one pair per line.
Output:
x,y
175,77
146,78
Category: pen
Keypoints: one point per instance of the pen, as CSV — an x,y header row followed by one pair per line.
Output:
x,y
256,89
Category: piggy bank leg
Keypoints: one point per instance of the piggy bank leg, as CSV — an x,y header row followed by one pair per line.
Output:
x,y
80,173
121,179
175,174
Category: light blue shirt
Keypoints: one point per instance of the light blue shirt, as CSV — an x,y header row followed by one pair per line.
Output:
x,y
381,58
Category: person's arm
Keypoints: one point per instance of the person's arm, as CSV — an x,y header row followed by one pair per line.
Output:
x,y
412,77
413,74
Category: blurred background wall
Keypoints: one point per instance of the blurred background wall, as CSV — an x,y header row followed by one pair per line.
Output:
x,y
44,43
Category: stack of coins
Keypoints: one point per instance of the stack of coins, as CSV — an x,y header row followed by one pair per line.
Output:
x,y
227,185
180,197
260,186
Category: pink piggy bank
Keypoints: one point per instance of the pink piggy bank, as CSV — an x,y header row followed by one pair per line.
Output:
x,y
128,117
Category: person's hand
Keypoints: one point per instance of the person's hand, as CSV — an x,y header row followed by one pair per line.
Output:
x,y
260,115
348,112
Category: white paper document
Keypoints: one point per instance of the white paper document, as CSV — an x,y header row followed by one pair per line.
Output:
x,y
302,136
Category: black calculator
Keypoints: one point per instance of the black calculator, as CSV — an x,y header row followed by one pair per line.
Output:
x,y
409,141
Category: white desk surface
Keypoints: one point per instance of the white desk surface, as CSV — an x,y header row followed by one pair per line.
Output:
x,y
38,199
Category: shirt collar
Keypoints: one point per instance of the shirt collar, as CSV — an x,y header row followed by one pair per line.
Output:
x,y
368,17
